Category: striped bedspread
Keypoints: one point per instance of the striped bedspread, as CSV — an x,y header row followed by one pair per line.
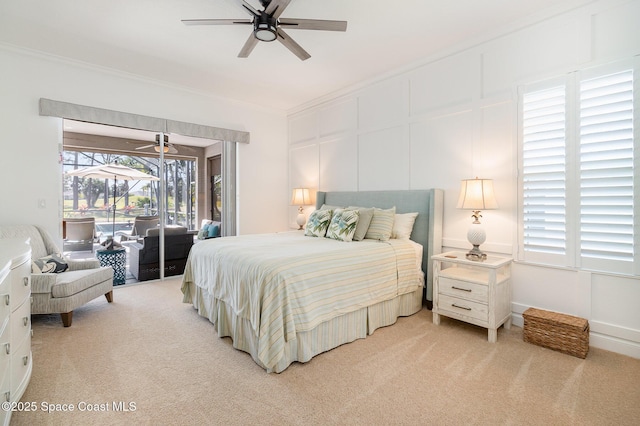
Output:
x,y
285,283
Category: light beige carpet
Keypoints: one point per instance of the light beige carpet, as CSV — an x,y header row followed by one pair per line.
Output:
x,y
149,349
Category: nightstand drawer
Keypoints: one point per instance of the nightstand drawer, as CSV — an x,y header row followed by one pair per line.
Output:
x,y
456,308
463,289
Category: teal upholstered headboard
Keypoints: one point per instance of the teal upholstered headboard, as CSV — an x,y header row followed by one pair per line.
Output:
x,y
427,229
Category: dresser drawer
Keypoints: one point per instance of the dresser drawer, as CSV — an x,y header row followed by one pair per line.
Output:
x,y
5,358
20,324
460,308
463,289
20,283
5,388
5,307
20,367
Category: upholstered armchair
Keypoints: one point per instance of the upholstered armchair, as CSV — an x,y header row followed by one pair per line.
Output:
x,y
61,293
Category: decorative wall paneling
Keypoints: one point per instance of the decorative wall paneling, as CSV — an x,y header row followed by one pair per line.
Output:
x,y
456,117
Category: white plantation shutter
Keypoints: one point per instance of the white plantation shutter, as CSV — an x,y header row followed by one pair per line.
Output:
x,y
606,171
543,173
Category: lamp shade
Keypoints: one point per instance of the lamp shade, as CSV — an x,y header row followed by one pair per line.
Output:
x,y
477,194
300,197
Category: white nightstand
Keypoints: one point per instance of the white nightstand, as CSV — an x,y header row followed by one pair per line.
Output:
x,y
475,292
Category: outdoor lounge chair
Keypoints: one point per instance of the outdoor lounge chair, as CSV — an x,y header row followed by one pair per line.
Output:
x,y
139,229
144,256
79,234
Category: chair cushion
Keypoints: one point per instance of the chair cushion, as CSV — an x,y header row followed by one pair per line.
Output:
x,y
72,282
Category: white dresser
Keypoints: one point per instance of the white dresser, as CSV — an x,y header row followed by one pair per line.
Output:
x,y
475,292
15,322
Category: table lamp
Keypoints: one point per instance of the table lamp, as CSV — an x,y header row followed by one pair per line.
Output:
x,y
476,195
300,197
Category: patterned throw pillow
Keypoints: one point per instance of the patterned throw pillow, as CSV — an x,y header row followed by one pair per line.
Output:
x,y
54,263
318,223
343,225
382,224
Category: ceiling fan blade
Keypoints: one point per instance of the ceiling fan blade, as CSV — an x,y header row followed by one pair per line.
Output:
x,y
248,46
290,44
216,21
313,24
146,146
276,7
250,8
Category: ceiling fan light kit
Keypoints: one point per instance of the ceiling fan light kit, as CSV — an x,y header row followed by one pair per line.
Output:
x,y
167,147
267,26
264,30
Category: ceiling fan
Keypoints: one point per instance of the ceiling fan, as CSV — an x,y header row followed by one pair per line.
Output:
x,y
268,26
168,147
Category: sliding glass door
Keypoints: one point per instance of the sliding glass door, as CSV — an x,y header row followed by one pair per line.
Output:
x,y
143,218
87,197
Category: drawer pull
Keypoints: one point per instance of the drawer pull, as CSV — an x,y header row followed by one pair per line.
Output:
x,y
460,307
461,289
7,348
25,360
7,298
25,321
25,281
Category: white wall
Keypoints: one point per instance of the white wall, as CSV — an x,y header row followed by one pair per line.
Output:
x,y
31,189
455,117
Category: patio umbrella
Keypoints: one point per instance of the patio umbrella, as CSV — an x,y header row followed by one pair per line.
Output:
x,y
115,172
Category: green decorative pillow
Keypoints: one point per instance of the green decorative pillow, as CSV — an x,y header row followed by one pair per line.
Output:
x,y
318,223
382,224
203,232
343,225
366,214
54,263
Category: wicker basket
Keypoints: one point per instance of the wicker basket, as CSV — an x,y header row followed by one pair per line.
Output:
x,y
560,332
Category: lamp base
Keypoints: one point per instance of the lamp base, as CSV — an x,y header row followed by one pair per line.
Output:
x,y
476,254
301,219
476,236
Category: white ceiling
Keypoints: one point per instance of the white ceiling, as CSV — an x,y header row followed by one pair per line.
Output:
x,y
146,37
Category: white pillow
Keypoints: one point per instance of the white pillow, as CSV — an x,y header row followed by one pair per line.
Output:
x,y
403,225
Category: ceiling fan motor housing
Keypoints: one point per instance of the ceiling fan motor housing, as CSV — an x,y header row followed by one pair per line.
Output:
x,y
265,28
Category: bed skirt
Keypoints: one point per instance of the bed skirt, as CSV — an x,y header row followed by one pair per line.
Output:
x,y
338,331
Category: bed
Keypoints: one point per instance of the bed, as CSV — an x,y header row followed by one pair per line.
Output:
x,y
288,297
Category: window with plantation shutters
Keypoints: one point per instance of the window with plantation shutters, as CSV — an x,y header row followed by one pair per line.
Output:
x,y
577,175
606,168
544,171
